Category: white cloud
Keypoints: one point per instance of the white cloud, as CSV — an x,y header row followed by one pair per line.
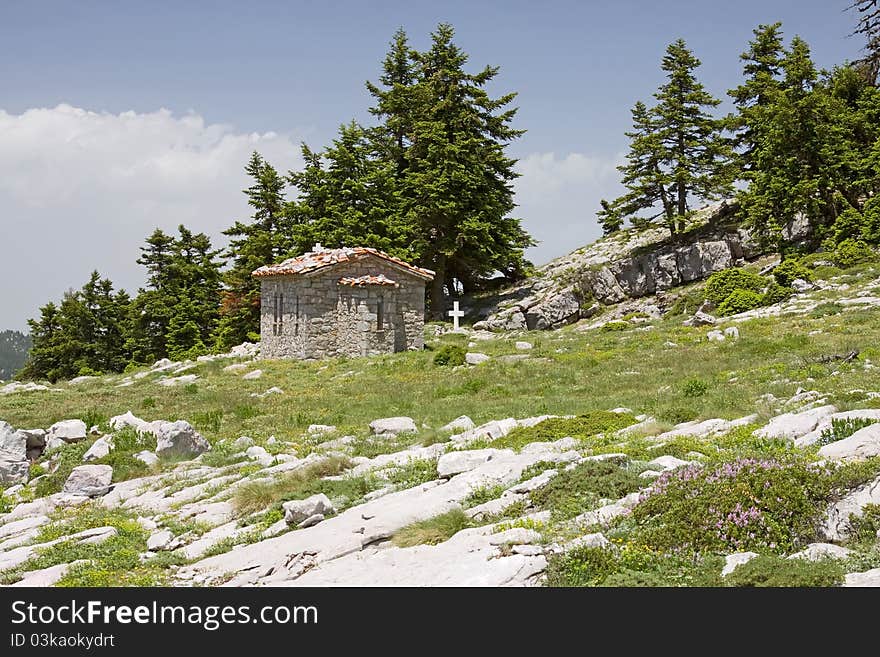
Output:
x,y
558,198
80,190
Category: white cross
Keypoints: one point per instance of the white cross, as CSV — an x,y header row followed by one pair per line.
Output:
x,y
455,313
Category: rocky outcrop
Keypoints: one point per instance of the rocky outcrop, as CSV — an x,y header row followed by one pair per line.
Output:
x,y
626,265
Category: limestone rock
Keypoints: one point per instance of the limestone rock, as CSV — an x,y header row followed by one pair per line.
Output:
x,y
795,425
242,443
320,429
13,444
701,318
733,561
159,540
250,376
296,511
148,457
70,431
667,462
819,551
461,423
731,332
863,444
311,521
554,311
13,472
178,380
523,346
393,425
178,440
836,526
453,463
89,481
515,536
475,358
867,578
127,419
99,449
715,336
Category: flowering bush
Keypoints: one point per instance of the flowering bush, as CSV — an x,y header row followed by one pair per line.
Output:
x,y
748,503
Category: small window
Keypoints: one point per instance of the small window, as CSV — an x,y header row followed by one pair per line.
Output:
x,y
278,314
380,314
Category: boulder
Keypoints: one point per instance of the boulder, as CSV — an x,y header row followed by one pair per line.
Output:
x,y
794,425
715,336
296,511
554,311
867,578
242,443
701,318
311,521
70,431
800,285
178,380
89,481
731,332
863,444
13,472
819,551
453,463
13,444
256,452
667,462
147,457
604,286
159,540
836,526
461,423
735,560
394,425
523,346
99,449
179,440
473,358
250,376
127,419
320,429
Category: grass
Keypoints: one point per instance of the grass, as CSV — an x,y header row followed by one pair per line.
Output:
x,y
433,530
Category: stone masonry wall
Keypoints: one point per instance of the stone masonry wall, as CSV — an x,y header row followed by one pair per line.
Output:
x,y
323,319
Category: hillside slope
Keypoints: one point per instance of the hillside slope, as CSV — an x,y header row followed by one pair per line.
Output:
x,y
672,448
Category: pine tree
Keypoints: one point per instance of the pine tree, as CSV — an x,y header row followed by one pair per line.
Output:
x,y
609,217
762,68
264,240
869,26
457,193
677,151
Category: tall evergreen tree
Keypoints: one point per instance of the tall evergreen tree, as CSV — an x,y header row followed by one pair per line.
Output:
x,y
609,217
264,240
458,192
762,72
677,151
868,25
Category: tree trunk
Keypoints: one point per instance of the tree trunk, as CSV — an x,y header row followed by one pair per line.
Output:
x,y
438,298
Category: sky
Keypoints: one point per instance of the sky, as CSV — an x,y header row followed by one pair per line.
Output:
x,y
118,117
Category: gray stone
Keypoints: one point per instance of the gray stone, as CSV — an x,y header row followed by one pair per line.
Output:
x,y
461,423
731,332
147,457
178,380
701,318
13,472
127,419
13,444
453,463
867,578
515,536
70,431
596,540
36,438
836,526
473,358
159,540
715,336
554,311
800,285
89,481
819,551
667,462
320,429
250,376
236,367
295,511
602,516
863,444
795,425
735,560
242,443
257,452
393,425
534,483
179,440
523,346
311,521
99,449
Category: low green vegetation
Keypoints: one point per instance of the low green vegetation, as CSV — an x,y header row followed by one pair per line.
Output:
x,y
582,427
433,530
843,428
574,491
449,354
773,570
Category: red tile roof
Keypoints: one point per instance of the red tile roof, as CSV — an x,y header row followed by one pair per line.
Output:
x,y
321,258
362,281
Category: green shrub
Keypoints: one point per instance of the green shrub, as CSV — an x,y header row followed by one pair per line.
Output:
x,y
826,309
574,491
583,426
844,428
584,566
433,530
740,301
615,325
758,504
851,252
694,388
773,570
721,284
789,270
864,528
776,293
450,354
414,473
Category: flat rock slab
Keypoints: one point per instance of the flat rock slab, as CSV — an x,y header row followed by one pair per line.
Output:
x,y
794,425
